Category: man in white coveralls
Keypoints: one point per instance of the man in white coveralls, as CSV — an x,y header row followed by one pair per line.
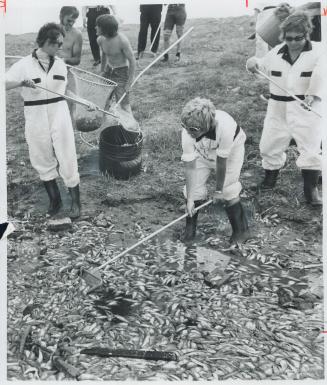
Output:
x,y
48,126
296,65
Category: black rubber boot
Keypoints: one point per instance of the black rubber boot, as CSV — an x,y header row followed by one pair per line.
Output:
x,y
239,223
165,58
190,229
310,189
54,196
75,211
270,179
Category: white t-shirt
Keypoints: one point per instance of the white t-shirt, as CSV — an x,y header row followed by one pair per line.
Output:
x,y
208,148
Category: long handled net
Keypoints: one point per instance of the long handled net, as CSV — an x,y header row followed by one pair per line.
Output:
x,y
94,88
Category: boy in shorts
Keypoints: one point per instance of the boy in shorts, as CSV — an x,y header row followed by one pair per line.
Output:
x,y
118,62
176,15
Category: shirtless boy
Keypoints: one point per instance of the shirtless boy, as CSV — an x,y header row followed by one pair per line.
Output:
x,y
118,62
71,49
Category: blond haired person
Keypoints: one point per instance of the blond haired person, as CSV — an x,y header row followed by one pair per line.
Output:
x,y
212,140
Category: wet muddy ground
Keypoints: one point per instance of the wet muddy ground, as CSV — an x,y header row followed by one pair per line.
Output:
x,y
253,312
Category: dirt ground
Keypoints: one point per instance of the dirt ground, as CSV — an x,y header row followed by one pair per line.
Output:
x,y
115,214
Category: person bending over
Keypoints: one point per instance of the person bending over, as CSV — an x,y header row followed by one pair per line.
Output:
x,y
212,140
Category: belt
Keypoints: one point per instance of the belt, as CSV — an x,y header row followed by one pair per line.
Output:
x,y
43,101
238,128
99,8
285,98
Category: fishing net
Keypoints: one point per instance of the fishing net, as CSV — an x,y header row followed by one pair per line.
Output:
x,y
93,88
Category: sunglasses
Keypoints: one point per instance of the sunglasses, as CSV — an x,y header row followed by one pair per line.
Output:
x,y
194,129
296,38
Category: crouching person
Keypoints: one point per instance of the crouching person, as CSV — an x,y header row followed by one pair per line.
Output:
x,y
212,140
48,126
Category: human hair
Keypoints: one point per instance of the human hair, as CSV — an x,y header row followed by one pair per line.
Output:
x,y
49,31
298,21
68,11
198,112
108,25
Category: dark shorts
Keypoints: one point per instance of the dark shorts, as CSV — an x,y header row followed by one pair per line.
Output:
x,y
119,76
175,16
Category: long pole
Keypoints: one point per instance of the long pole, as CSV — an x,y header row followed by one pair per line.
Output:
x,y
75,100
158,29
154,61
289,93
152,235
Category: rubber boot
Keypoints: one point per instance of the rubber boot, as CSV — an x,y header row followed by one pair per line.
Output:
x,y
239,223
310,189
190,229
75,210
54,196
270,179
165,58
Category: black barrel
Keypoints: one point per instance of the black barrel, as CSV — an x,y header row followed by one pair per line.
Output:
x,y
120,152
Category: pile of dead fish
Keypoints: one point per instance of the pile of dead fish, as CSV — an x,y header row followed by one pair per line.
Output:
x,y
156,299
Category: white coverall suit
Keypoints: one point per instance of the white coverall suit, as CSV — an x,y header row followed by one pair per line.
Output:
x,y
285,118
48,126
229,143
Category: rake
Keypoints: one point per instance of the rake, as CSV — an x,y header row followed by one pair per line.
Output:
x,y
93,277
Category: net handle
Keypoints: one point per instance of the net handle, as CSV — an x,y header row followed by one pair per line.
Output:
x,y
165,8
76,101
154,61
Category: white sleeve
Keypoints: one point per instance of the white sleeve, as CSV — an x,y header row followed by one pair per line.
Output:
x,y
16,72
228,127
317,82
189,153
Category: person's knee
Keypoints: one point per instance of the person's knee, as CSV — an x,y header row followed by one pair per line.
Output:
x,y
179,30
167,34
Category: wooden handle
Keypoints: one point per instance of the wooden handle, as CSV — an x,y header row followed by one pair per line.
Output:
x,y
289,93
144,354
155,60
152,235
75,100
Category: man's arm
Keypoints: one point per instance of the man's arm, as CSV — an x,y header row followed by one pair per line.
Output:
x,y
220,179
220,172
75,59
11,84
103,55
128,52
190,176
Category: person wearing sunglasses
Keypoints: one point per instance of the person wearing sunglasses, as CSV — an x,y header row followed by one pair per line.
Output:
x,y
212,140
295,65
48,126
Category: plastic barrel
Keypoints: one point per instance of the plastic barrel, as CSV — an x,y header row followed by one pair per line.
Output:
x,y
120,152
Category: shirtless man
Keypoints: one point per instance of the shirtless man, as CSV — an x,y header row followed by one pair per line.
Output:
x,y
118,62
71,49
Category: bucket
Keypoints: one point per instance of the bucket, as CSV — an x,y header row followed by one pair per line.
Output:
x,y
268,27
269,30
120,152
